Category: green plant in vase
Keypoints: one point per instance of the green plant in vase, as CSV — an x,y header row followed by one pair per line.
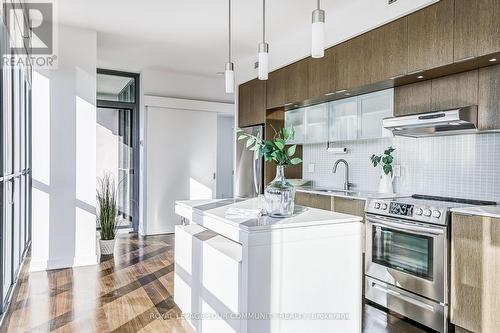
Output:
x,y
107,213
279,194
386,161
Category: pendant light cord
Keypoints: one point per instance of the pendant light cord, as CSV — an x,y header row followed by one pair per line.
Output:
x,y
319,6
263,21
229,59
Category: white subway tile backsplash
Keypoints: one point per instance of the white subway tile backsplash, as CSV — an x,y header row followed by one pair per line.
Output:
x,y
465,166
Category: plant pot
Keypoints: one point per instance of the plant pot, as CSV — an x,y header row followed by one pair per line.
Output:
x,y
279,195
385,185
107,246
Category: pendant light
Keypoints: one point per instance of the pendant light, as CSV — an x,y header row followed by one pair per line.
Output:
x,y
229,71
318,33
263,48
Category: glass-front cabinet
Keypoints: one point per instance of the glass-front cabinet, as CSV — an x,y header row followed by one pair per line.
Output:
x,y
353,118
295,119
316,120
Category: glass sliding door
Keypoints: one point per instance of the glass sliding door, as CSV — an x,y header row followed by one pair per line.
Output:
x,y
15,167
118,139
115,154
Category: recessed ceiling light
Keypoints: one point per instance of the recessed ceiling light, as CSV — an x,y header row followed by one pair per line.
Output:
x,y
347,94
330,93
219,73
340,91
420,77
493,59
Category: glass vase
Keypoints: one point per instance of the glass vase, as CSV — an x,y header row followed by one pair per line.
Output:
x,y
279,195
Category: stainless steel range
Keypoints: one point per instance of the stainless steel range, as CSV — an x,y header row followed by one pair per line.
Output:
x,y
407,256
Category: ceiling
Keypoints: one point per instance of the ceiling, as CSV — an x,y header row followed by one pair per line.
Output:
x,y
190,36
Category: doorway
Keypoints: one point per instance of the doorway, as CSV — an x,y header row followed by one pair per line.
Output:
x,y
118,140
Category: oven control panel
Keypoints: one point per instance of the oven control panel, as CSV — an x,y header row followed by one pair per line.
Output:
x,y
418,212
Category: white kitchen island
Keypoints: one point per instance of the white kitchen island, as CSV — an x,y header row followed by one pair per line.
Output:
x,y
267,275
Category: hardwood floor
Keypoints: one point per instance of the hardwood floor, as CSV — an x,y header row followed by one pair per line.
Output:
x,y
130,292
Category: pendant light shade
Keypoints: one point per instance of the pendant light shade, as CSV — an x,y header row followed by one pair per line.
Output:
x,y
263,61
318,33
263,48
229,70
229,76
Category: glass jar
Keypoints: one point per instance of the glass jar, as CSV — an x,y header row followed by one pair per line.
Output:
x,y
279,195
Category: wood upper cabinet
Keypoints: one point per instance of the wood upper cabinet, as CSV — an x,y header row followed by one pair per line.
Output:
x,y
430,37
276,88
297,81
321,76
489,98
252,103
477,28
349,63
412,98
388,51
475,272
454,91
443,93
288,84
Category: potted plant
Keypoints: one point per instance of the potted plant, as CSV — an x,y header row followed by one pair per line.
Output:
x,y
107,213
386,175
279,194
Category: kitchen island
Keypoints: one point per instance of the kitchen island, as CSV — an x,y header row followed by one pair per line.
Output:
x,y
256,274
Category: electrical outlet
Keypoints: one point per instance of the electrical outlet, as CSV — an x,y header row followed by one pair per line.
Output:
x,y
310,168
397,170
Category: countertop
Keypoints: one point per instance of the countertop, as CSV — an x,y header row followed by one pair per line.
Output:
x,y
487,211
351,194
303,216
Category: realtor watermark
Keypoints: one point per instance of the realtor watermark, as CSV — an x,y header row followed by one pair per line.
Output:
x,y
32,33
254,316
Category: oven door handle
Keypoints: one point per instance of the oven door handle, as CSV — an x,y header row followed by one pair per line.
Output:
x,y
403,297
406,227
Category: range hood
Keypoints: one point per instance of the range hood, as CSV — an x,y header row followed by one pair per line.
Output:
x,y
447,122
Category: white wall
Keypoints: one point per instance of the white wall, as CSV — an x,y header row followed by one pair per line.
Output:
x,y
64,155
171,84
181,149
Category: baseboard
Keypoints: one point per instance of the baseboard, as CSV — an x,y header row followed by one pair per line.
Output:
x,y
60,263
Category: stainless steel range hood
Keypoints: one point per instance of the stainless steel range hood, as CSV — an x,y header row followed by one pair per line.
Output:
x,y
447,122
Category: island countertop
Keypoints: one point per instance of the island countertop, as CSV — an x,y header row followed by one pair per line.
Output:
x,y
217,209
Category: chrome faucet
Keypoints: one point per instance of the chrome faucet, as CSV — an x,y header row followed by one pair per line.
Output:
x,y
347,185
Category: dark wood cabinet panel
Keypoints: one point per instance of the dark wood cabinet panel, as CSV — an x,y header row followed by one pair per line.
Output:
x,y
321,76
489,98
455,91
349,206
388,51
252,103
412,98
296,81
313,200
340,68
276,88
350,64
430,37
477,28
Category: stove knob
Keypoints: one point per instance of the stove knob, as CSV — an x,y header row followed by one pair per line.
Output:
x,y
436,214
384,206
419,211
427,212
377,205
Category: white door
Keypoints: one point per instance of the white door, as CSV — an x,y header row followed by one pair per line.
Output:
x,y
181,159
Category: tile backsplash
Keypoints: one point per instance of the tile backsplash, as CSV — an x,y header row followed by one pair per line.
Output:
x,y
464,166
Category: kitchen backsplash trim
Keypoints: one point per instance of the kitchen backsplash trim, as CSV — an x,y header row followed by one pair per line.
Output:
x,y
464,166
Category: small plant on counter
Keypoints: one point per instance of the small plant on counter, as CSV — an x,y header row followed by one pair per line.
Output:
x,y
385,160
275,150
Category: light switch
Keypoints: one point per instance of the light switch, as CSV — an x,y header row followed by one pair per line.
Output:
x,y
310,168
